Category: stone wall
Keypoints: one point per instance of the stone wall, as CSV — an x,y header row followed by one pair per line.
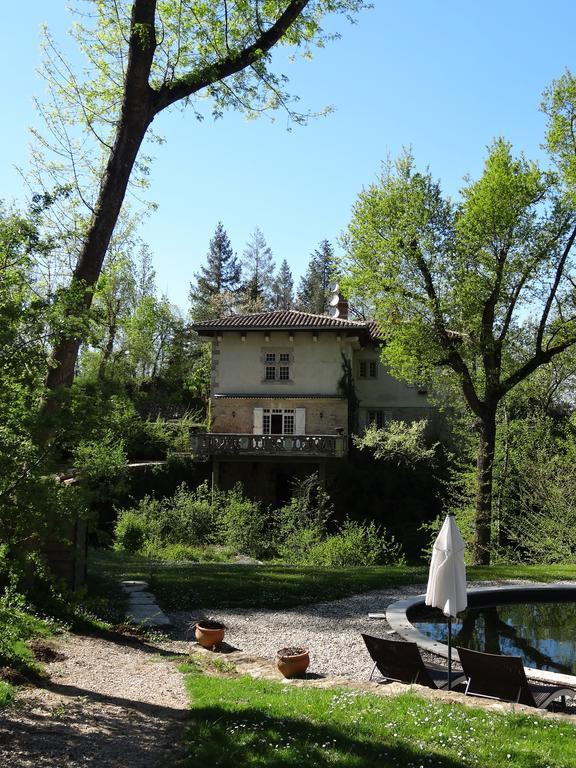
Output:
x,y
324,416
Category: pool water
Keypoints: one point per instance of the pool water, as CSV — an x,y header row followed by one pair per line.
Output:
x,y
542,633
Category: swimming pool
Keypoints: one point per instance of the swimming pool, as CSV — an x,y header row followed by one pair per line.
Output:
x,y
537,623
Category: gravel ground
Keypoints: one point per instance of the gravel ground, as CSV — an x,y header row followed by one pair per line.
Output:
x,y
330,631
114,702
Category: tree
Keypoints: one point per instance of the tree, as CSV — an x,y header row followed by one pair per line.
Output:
x,y
283,288
314,289
258,268
146,60
483,290
220,278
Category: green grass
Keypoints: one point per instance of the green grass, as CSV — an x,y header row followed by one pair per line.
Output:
x,y
16,627
179,586
6,694
241,721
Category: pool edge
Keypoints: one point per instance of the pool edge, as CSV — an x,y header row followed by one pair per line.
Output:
x,y
398,621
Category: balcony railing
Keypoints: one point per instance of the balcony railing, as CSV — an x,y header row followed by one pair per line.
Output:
x,y
216,444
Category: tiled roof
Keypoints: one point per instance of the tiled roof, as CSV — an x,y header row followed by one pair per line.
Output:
x,y
281,319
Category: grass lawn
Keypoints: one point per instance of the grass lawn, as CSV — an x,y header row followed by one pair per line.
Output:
x,y
240,721
180,586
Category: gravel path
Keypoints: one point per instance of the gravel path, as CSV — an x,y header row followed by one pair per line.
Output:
x,y
330,631
107,704
120,702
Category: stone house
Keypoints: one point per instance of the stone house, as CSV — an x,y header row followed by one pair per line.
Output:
x,y
288,389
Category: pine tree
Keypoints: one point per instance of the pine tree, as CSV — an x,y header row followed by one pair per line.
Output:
x,y
258,266
283,288
314,289
218,281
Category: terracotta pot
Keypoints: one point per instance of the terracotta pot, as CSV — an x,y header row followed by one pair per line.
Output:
x,y
209,633
292,662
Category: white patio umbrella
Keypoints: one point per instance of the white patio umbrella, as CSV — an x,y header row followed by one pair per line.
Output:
x,y
447,578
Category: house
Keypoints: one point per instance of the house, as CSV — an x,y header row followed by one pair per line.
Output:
x,y
288,389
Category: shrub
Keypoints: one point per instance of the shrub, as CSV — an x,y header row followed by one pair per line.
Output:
x,y
356,544
131,531
190,517
244,524
301,524
187,518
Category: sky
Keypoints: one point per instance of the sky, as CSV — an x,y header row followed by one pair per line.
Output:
x,y
441,77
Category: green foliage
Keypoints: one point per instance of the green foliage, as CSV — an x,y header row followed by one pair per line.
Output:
x,y
302,523
537,521
243,524
131,531
313,292
7,694
356,544
99,459
187,518
477,294
400,443
18,625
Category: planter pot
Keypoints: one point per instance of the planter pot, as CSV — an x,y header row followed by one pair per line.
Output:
x,y
209,633
292,662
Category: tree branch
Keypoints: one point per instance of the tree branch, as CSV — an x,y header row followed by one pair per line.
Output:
x,y
553,290
231,64
454,358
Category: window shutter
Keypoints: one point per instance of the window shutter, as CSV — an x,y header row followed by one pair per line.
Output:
x,y
300,421
258,421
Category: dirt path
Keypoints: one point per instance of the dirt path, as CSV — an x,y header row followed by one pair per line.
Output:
x,y
108,704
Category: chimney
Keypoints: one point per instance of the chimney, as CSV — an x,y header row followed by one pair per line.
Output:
x,y
338,304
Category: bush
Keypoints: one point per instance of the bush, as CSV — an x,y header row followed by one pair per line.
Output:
x,y
243,524
301,524
131,531
188,518
356,544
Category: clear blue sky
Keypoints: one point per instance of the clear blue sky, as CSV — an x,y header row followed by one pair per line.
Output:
x,y
440,76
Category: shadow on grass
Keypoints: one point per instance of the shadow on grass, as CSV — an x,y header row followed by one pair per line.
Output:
x,y
253,738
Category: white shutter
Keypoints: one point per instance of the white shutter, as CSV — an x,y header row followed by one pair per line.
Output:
x,y
258,421
300,421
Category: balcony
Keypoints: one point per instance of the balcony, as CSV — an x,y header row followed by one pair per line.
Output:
x,y
203,445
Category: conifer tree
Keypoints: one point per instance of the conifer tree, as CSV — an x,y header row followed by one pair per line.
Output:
x,y
258,267
216,282
314,289
283,288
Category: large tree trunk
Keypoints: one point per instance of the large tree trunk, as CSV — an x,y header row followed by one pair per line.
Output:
x,y
136,115
484,476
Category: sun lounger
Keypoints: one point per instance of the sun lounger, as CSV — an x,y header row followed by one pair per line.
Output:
x,y
401,661
503,677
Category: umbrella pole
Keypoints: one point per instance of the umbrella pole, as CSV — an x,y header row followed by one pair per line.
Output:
x,y
449,653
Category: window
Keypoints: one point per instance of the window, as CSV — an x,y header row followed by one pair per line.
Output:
x,y
278,421
276,365
368,369
379,418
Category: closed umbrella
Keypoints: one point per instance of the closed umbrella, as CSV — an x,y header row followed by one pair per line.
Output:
x,y
447,578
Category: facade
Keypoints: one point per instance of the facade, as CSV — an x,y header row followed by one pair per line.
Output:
x,y
288,389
